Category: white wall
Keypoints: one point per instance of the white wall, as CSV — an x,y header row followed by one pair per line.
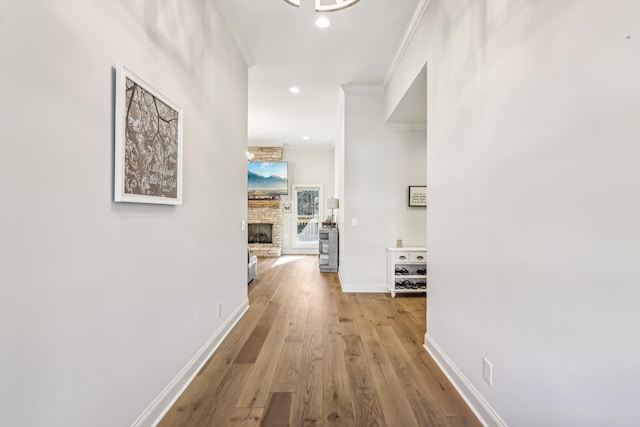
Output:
x,y
307,166
103,304
379,164
533,209
339,172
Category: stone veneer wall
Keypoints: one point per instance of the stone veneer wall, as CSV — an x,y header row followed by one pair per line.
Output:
x,y
266,154
265,214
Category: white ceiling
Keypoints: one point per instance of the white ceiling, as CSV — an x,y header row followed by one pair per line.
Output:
x,y
284,48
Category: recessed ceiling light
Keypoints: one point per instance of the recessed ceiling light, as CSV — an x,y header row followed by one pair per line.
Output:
x,y
294,89
306,138
323,22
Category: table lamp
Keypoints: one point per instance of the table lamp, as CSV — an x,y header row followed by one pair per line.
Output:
x,y
333,203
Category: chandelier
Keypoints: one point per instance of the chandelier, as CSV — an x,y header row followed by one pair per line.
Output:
x,y
327,5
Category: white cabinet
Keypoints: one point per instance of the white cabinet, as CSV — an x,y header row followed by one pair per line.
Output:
x,y
406,270
328,249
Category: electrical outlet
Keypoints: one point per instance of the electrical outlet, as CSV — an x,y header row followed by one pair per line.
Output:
x,y
354,222
487,371
219,309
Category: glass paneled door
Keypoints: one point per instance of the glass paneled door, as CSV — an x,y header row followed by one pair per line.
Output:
x,y
307,207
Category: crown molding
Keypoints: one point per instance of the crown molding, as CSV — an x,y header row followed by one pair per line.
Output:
x,y
362,88
235,34
264,144
406,40
311,146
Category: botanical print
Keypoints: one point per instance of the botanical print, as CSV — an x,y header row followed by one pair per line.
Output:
x,y
151,144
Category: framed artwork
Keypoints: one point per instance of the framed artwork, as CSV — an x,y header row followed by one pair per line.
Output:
x,y
148,143
418,195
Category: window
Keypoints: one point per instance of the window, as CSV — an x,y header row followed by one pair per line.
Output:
x,y
307,205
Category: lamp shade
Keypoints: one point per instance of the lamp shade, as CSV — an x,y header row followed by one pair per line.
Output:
x,y
333,203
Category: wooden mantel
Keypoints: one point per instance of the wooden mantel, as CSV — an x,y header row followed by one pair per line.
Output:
x,y
264,203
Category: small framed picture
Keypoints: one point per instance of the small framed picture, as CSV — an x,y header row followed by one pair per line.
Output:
x,y
417,196
286,206
148,143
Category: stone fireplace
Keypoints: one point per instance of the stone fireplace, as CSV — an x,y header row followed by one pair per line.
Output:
x,y
264,218
264,213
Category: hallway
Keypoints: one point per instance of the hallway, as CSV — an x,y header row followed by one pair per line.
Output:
x,y
307,354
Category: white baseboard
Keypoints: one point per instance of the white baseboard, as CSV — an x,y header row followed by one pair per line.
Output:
x,y
161,405
372,288
485,413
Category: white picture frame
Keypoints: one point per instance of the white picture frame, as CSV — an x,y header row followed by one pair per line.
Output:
x,y
148,143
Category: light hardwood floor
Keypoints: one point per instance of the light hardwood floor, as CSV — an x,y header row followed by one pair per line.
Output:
x,y
307,354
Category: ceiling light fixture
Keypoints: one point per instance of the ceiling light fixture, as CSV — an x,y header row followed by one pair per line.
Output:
x,y
294,89
323,22
327,5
